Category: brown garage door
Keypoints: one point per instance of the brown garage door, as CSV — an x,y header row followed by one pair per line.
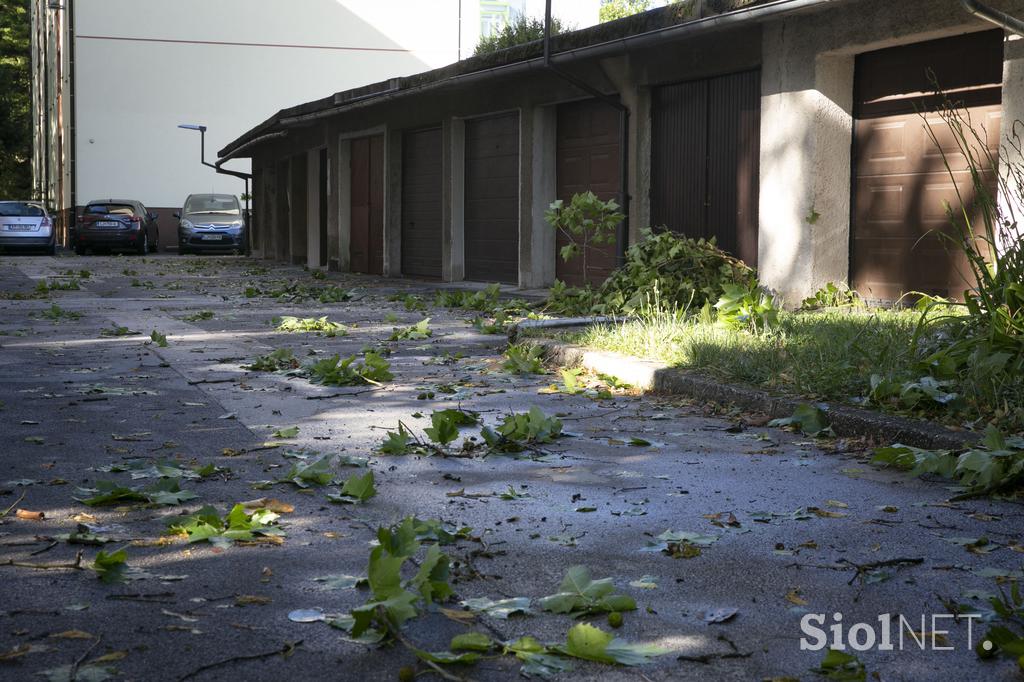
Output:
x,y
901,185
587,158
704,160
421,203
366,244
492,199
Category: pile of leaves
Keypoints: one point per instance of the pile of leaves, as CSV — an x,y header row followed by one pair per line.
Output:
x,y
278,360
996,464
335,371
239,524
318,325
682,272
517,432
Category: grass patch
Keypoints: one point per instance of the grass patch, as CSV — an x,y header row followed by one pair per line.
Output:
x,y
838,355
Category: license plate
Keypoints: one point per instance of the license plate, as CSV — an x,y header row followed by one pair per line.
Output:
x,y
211,237
108,223
19,228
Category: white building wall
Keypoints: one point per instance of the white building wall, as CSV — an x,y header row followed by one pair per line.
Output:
x,y
144,66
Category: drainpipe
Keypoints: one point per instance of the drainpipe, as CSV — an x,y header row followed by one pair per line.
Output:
x,y
622,232
992,15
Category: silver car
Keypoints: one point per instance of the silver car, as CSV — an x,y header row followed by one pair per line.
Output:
x,y
26,225
211,222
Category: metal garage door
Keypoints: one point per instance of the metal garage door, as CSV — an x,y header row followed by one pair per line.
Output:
x,y
587,158
421,203
705,156
900,182
366,242
492,199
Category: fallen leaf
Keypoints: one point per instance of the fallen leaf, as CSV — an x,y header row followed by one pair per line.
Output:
x,y
111,657
30,515
825,514
270,503
837,503
72,634
793,597
720,615
252,600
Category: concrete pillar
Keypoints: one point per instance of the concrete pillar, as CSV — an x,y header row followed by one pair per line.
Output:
x,y
640,165
806,132
313,209
537,191
453,258
336,186
342,188
393,204
298,204
1011,152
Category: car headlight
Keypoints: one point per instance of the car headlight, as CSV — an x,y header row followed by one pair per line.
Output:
x,y
187,225
236,226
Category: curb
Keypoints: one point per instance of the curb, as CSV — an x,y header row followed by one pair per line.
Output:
x,y
656,377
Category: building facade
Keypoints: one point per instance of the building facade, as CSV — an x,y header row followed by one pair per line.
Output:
x,y
788,130
114,78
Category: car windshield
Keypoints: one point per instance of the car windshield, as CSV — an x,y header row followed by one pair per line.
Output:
x,y
20,209
110,209
213,203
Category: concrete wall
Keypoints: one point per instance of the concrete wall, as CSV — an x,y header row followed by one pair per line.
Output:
x,y
807,73
806,128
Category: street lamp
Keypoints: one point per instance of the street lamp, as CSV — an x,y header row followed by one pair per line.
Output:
x,y
202,141
223,171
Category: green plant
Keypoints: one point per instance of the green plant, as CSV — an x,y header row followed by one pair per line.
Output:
x,y
484,300
199,315
355,490
110,568
585,222
117,330
411,302
158,338
750,308
164,492
239,524
521,29
276,361
832,296
579,595
319,325
617,9
333,294
304,474
334,371
70,285
995,464
420,330
683,273
56,313
394,600
518,431
444,424
524,359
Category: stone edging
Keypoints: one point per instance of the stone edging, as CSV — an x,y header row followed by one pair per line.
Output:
x,y
660,378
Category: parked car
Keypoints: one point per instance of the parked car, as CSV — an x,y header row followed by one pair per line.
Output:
x,y
117,224
26,225
210,222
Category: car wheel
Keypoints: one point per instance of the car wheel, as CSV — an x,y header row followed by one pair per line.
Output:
x,y
79,249
51,250
144,244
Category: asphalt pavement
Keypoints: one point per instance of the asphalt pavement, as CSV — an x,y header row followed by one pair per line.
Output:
x,y
782,525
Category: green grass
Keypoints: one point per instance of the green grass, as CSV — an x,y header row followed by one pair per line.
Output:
x,y
821,355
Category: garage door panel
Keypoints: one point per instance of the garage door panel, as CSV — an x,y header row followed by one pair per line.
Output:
x,y
366,187
586,159
421,203
491,209
902,185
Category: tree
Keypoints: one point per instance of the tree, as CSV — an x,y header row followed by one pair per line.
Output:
x,y
522,29
15,100
617,9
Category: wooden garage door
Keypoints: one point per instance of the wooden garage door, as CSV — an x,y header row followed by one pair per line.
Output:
x,y
901,185
587,158
366,244
492,199
705,156
421,203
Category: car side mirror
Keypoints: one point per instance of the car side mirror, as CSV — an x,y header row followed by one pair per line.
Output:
x,y
176,215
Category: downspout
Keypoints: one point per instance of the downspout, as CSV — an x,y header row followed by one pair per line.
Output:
x,y
994,16
72,132
622,232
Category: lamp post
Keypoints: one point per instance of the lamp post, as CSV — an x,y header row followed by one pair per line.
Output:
x,y
222,171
